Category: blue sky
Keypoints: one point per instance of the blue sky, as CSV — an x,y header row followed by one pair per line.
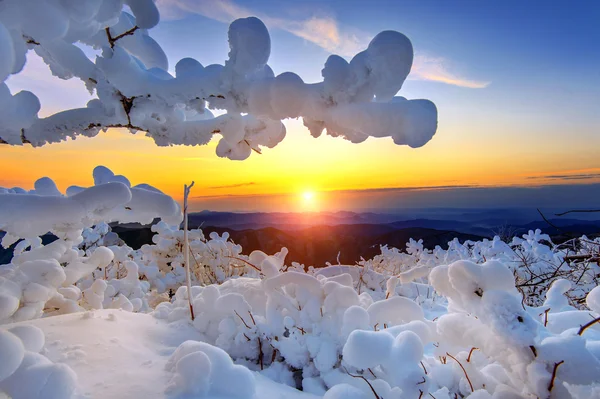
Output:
x,y
535,60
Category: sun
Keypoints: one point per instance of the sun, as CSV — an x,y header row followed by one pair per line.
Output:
x,y
308,197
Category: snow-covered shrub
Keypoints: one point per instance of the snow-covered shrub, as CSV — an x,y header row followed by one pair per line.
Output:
x,y
294,319
482,342
534,260
56,277
212,261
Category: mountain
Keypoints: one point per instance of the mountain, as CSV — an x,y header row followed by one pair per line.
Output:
x,y
316,245
317,238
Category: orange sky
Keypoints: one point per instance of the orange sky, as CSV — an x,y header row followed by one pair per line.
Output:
x,y
276,179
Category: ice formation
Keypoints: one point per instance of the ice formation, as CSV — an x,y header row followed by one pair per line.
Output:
x,y
134,89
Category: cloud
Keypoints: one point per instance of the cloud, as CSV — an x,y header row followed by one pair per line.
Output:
x,y
436,69
251,183
323,31
404,189
583,176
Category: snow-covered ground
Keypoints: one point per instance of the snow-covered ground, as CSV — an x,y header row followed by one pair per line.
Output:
x,y
118,354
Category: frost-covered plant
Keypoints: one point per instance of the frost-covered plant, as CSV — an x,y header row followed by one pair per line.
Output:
x,y
59,277
212,260
319,329
536,262
135,90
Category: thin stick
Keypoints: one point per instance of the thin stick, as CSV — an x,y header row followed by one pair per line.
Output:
x,y
546,317
197,264
464,371
245,261
554,370
367,381
470,353
243,321
578,211
186,250
587,325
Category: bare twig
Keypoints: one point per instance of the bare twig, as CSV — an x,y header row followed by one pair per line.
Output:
x,y
546,317
112,40
186,248
578,211
464,371
554,370
245,261
587,325
367,381
549,222
260,353
471,353
243,321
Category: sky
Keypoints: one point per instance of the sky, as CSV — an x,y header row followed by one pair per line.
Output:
x,y
516,84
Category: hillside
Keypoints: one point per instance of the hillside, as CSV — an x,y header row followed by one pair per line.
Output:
x,y
318,244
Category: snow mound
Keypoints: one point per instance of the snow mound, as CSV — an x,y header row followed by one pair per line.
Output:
x,y
25,373
202,369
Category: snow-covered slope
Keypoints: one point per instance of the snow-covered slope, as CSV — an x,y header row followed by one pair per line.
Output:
x,y
117,354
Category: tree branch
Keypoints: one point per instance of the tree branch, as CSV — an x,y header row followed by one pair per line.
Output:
x,y
464,371
578,211
554,370
587,325
367,381
112,40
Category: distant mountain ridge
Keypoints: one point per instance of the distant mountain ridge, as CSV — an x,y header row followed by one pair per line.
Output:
x,y
316,238
485,223
316,245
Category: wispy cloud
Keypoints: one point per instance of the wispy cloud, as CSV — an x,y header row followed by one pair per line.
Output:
x,y
324,31
436,69
582,176
321,30
408,189
251,183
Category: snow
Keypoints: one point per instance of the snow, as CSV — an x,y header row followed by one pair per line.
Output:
x,y
12,351
263,327
119,354
593,299
45,209
366,349
7,54
249,44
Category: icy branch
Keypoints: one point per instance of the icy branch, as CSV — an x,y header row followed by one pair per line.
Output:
x,y
356,100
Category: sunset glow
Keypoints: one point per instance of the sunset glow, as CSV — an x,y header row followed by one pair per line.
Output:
x,y
484,137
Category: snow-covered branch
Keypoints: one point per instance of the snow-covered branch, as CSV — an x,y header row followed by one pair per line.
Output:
x,y
134,89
